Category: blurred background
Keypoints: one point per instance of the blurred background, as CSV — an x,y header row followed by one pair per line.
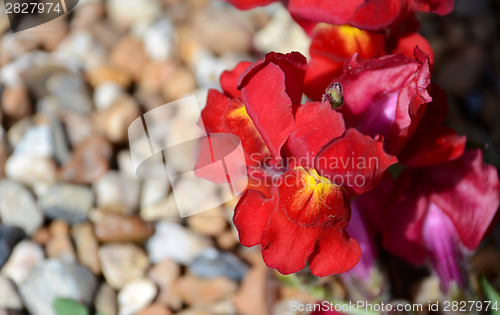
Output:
x,y
77,223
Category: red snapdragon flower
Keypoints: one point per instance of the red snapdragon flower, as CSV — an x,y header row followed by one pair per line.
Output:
x,y
302,164
440,210
364,14
332,45
386,96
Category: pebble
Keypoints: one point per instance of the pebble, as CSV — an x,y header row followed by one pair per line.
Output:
x,y
25,256
36,141
122,263
165,209
117,190
178,84
3,156
9,237
210,223
18,207
16,103
89,162
227,240
67,202
155,309
164,275
108,74
128,12
78,128
41,236
106,93
197,291
135,296
60,245
175,242
117,227
105,300
159,40
31,170
153,191
120,56
71,92
115,120
86,246
9,298
258,292
52,279
212,263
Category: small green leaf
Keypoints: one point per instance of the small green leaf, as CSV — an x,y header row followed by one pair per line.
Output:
x,y
492,295
65,306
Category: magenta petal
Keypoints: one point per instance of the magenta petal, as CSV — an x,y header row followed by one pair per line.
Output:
x,y
468,191
269,106
443,247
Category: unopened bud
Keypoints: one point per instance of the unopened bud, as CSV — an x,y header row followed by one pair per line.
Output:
x,y
333,94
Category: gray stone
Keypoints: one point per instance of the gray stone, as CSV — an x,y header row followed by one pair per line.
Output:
x,y
175,242
9,237
71,92
25,256
9,298
18,207
212,263
54,279
67,202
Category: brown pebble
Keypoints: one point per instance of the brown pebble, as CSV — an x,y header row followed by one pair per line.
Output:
x,y
115,120
16,103
116,227
90,161
164,275
155,309
41,236
197,291
227,240
210,223
86,246
257,293
129,55
103,74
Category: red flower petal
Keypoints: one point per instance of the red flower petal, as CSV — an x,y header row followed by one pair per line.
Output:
x,y
269,106
251,216
238,122
249,4
386,96
229,79
331,45
433,143
293,65
377,14
316,124
309,199
467,190
441,7
306,204
403,222
336,252
212,114
329,11
287,245
354,161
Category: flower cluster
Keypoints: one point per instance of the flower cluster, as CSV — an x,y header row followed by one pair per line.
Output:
x,y
369,106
